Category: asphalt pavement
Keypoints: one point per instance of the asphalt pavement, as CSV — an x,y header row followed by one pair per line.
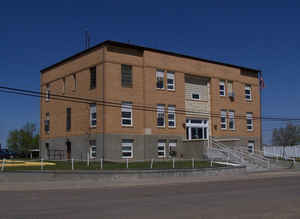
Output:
x,y
251,197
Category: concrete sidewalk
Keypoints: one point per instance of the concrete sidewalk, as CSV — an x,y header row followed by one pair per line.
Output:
x,y
86,182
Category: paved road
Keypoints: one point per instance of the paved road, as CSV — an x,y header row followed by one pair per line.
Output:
x,y
252,198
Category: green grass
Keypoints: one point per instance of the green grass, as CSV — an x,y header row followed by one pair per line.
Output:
x,y
95,165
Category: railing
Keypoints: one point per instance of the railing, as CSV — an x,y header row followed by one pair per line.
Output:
x,y
100,164
240,153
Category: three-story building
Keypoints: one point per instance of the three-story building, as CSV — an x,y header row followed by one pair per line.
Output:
x,y
118,100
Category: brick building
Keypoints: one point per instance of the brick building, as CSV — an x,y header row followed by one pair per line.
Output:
x,y
146,103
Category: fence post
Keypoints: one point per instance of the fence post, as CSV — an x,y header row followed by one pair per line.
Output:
x,y
72,163
101,163
42,164
173,163
127,163
151,165
88,159
269,164
211,163
193,163
3,163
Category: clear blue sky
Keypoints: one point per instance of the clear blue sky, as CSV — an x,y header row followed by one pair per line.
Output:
x,y
258,34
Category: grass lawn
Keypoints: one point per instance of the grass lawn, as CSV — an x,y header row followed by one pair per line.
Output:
x,y
95,165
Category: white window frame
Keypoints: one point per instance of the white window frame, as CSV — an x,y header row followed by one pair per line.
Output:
x,y
190,123
159,145
222,83
126,108
127,143
93,148
195,94
223,115
93,111
251,146
248,97
231,117
160,113
172,111
171,76
249,117
160,75
47,93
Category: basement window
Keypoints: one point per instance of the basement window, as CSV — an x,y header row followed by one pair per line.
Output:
x,y
127,148
161,149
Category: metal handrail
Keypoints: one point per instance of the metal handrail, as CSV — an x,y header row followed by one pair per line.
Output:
x,y
242,153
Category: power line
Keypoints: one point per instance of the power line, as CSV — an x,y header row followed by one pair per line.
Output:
x,y
119,105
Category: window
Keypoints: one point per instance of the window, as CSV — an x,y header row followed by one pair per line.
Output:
x,y
171,116
126,114
68,120
223,119
249,121
160,79
251,146
47,123
93,78
172,148
171,80
231,120
93,115
197,129
93,149
161,149
63,85
160,115
248,93
47,92
75,82
127,148
195,96
126,74
222,88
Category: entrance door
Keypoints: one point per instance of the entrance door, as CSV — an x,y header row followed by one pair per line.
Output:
x,y
196,129
69,149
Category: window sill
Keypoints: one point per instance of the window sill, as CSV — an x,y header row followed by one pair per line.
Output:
x,y
172,90
161,127
93,127
127,126
160,89
172,127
